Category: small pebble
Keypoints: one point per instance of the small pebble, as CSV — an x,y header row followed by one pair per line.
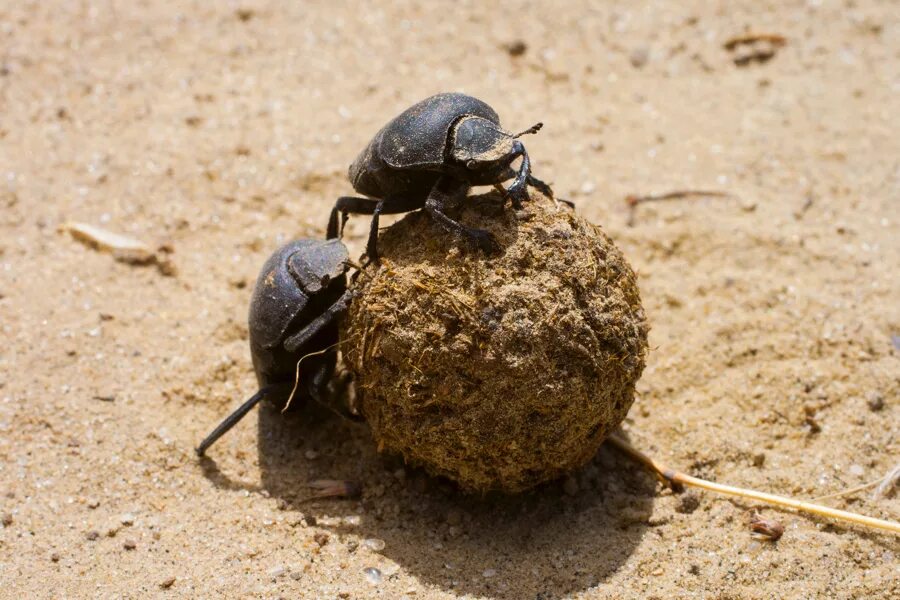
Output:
x,y
296,575
129,545
321,538
7,519
54,557
638,57
167,582
687,503
93,503
276,571
311,455
244,14
516,48
488,573
875,400
374,544
857,470
127,519
373,575
92,535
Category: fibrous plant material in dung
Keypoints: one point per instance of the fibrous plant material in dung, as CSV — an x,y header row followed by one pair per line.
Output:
x,y
497,371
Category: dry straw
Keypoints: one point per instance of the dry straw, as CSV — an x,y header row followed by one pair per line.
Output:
x,y
675,477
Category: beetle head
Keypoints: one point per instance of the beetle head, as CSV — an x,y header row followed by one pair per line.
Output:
x,y
316,266
483,147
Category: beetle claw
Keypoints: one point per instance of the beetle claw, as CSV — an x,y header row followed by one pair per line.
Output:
x,y
517,196
485,241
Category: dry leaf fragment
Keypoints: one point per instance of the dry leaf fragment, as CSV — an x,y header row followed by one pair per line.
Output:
x,y
123,248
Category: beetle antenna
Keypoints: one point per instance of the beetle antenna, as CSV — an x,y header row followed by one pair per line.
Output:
x,y
533,129
232,419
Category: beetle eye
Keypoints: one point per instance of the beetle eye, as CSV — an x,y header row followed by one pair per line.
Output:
x,y
471,164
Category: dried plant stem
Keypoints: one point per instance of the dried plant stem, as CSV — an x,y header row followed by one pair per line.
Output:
x,y
807,507
850,491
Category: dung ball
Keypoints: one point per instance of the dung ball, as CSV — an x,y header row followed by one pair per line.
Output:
x,y
497,371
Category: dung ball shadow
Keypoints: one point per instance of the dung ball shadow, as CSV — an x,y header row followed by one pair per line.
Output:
x,y
554,541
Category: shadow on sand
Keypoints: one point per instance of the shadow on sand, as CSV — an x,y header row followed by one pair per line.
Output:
x,y
546,544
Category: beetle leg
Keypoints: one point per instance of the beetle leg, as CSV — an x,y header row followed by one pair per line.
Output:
x,y
344,206
366,206
296,341
517,191
317,387
372,242
232,419
547,191
448,190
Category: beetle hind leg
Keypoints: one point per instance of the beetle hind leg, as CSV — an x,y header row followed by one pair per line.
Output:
x,y
346,205
239,413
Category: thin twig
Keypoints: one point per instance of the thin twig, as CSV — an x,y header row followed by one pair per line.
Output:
x,y
633,200
849,491
775,39
884,483
287,404
677,477
890,480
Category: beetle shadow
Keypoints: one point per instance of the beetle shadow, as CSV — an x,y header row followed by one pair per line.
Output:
x,y
543,544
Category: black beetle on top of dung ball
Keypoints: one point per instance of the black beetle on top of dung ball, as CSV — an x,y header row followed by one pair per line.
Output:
x,y
429,157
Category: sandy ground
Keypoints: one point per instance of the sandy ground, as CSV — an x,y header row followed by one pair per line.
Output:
x,y
225,129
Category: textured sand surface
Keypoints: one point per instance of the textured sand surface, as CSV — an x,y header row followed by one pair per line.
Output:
x,y
224,129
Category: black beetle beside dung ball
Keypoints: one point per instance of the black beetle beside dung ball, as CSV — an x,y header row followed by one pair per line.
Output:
x,y
497,372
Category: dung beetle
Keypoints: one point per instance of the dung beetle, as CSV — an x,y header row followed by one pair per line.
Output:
x,y
300,291
428,157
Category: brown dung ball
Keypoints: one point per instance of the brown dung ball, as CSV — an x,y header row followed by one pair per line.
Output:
x,y
499,372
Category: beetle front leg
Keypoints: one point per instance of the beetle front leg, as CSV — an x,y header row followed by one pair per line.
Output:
x,y
547,191
449,190
296,341
518,191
